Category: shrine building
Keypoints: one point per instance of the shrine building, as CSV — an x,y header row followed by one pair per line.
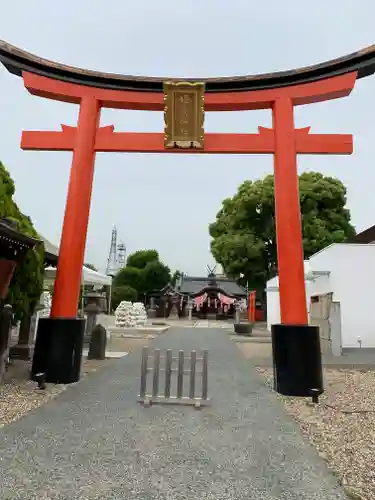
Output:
x,y
212,295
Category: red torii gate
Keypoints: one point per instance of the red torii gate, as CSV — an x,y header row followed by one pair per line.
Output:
x,y
284,141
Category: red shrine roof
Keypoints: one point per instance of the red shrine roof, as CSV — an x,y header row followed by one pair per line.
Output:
x,y
17,61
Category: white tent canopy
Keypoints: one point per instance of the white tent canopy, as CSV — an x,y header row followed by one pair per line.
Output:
x,y
89,277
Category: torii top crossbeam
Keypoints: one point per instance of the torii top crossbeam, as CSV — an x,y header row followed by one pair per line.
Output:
x,y
279,92
18,61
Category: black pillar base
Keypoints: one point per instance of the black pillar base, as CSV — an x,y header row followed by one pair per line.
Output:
x,y
58,349
297,360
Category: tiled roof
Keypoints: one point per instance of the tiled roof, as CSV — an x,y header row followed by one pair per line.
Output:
x,y
191,285
9,231
51,252
49,247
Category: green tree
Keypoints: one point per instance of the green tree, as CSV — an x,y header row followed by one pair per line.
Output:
x,y
130,276
121,293
27,282
156,276
144,273
244,233
141,258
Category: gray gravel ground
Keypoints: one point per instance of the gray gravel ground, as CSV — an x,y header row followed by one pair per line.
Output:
x,y
94,441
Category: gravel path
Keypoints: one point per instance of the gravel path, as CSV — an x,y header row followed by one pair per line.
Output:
x,y
19,395
341,426
95,442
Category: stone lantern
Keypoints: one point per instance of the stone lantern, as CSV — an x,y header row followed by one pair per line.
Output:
x,y
151,311
94,306
175,299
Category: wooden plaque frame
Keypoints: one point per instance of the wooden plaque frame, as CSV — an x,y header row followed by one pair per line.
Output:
x,y
184,115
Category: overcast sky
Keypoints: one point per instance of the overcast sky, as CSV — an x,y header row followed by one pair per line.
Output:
x,y
167,201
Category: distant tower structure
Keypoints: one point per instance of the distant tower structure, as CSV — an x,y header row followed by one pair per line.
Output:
x,y
112,266
117,255
121,256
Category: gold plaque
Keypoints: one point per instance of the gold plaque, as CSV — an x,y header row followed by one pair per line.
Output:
x,y
184,115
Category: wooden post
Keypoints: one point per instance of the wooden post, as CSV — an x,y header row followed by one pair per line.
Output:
x,y
251,307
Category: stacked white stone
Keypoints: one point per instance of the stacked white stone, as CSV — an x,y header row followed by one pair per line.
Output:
x,y
124,315
139,314
46,302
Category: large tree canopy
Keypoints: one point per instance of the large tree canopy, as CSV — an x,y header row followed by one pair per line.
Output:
x,y
244,233
27,282
144,273
130,277
141,258
156,275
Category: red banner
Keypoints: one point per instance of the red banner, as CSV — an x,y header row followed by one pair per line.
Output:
x,y
199,301
226,301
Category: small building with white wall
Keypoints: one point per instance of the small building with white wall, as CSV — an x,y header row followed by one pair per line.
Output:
x,y
340,294
273,297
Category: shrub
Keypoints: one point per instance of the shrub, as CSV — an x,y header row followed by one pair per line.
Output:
x,y
121,293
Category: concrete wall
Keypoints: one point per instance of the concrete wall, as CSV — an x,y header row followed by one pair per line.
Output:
x,y
347,271
273,298
320,306
273,305
327,315
351,281
336,331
